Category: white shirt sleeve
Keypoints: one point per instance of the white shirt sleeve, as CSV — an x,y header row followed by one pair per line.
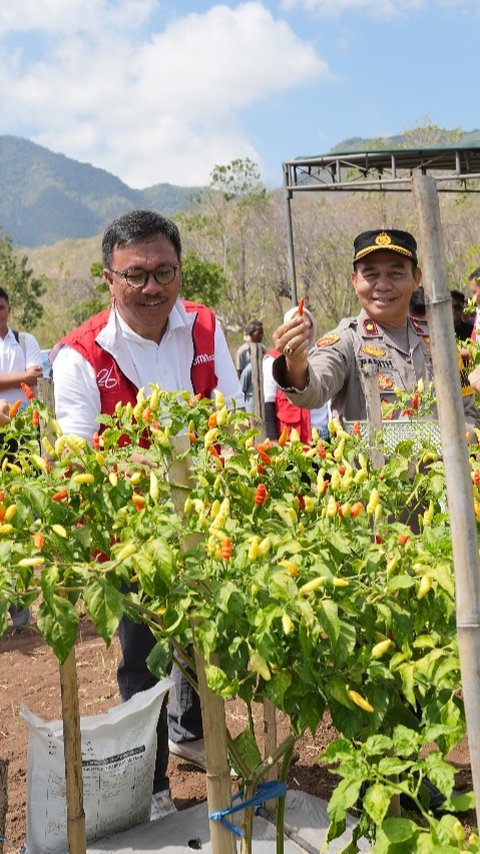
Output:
x,y
269,384
33,355
77,399
227,378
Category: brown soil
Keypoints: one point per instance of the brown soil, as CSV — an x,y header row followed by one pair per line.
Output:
x,y
29,674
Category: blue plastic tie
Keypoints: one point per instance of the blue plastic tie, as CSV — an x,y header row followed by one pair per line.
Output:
x,y
264,792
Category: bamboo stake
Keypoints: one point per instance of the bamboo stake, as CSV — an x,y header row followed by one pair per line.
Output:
x,y
77,843
72,743
219,793
3,800
270,744
374,415
455,455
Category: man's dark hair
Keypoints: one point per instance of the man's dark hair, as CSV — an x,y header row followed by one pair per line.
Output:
x,y
4,295
458,295
417,306
136,226
255,324
475,275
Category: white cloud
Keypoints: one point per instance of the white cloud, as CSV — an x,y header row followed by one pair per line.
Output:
x,y
161,107
374,8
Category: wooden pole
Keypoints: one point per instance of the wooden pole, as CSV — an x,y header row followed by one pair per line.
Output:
x,y
77,843
3,800
219,792
72,740
374,415
455,456
256,361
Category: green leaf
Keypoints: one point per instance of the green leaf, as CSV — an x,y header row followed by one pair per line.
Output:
x,y
104,604
328,616
159,659
58,622
400,582
344,797
247,748
405,741
376,801
399,830
376,745
392,766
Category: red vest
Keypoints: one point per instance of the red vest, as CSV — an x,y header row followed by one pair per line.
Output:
x,y
289,415
112,383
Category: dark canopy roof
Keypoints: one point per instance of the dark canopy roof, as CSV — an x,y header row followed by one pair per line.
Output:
x,y
452,166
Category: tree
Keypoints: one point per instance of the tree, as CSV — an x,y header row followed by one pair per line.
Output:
x,y
100,298
24,289
202,281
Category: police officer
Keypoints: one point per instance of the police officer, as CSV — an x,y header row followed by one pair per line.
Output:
x,y
383,339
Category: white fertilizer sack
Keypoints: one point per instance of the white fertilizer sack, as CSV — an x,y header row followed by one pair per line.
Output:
x,y
118,760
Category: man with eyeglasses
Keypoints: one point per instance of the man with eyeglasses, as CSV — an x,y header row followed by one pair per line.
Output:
x,y
149,335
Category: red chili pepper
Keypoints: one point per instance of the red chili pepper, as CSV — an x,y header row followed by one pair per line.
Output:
x,y
35,418
14,408
403,539
341,470
357,428
260,469
321,450
59,496
415,399
138,500
476,477
407,411
301,306
263,456
96,441
261,494
27,391
226,549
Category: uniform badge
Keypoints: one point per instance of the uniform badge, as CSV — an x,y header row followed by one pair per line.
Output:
x,y
370,327
385,383
327,340
419,326
370,350
383,239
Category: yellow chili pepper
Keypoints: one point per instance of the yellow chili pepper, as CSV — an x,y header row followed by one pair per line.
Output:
x,y
360,701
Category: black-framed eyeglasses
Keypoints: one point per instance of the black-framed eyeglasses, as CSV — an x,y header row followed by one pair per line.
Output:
x,y
164,274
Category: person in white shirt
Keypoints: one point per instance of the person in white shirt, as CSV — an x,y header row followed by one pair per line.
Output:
x,y
18,364
149,335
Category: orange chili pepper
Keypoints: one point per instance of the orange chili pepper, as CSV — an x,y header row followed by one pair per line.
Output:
x,y
35,418
301,305
59,496
27,391
226,549
14,408
282,439
38,540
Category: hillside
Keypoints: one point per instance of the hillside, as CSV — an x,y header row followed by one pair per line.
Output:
x,y
48,197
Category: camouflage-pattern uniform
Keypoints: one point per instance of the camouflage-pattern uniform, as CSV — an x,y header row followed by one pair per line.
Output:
x,y
337,361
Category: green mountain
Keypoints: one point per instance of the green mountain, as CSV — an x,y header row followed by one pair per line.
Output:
x,y
48,197
428,136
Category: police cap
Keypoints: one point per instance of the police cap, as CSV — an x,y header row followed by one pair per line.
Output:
x,y
386,238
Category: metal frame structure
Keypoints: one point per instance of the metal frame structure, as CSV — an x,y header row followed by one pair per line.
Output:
x,y
388,170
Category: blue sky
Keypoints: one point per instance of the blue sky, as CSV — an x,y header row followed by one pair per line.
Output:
x,y
163,90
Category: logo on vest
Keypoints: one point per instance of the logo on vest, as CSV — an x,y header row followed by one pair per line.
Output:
x,y
202,358
105,378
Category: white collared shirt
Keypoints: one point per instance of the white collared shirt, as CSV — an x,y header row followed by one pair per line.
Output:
x,y
13,360
77,398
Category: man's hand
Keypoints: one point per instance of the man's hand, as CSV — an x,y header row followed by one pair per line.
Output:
x,y
32,374
292,339
474,378
4,407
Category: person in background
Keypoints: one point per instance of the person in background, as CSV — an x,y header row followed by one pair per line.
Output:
x,y
474,282
253,335
417,305
149,335
20,362
463,329
383,338
279,411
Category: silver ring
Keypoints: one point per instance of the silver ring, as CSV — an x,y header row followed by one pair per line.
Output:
x,y
288,350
